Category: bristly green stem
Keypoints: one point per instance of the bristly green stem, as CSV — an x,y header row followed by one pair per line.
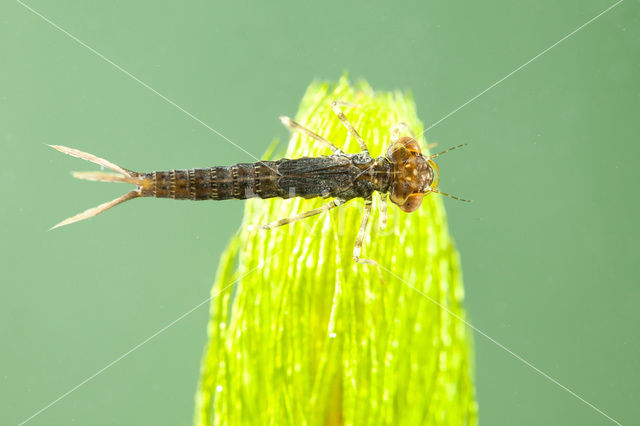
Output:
x,y
312,337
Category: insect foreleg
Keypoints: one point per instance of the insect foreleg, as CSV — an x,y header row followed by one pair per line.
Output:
x,y
334,203
383,211
400,128
296,127
357,249
335,106
358,246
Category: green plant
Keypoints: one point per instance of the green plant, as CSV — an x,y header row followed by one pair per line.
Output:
x,y
307,336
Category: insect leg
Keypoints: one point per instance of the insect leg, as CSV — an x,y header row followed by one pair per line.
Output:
x,y
334,203
293,126
357,249
383,211
335,106
397,129
358,246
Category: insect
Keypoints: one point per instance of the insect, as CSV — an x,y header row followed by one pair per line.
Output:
x,y
403,173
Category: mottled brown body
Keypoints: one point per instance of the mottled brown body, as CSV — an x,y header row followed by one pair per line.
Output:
x,y
339,176
403,173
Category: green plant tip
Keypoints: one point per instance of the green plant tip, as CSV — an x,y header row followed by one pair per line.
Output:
x,y
307,336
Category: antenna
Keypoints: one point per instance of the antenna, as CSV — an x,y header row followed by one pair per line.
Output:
x,y
447,150
451,196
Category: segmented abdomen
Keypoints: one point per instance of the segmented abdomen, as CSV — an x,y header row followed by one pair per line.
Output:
x,y
241,181
285,178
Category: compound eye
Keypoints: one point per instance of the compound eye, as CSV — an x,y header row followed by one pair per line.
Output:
x,y
410,144
412,203
401,190
403,150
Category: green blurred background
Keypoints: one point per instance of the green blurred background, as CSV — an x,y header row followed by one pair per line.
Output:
x,y
549,247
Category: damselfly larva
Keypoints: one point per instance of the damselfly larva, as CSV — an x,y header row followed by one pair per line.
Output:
x,y
403,173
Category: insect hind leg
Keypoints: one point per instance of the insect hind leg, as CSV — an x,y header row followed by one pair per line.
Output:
x,y
297,127
335,106
334,203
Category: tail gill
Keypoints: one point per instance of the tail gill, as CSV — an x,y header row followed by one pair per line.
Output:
x,y
121,175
